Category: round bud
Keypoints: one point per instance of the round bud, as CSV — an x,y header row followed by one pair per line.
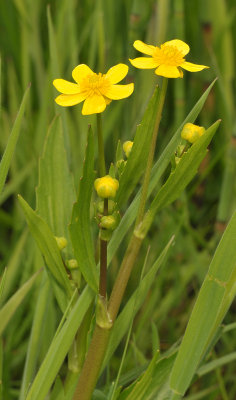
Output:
x,y
106,186
127,147
61,242
72,264
191,132
108,222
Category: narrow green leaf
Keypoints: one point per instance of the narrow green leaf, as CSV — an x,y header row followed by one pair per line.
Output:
x,y
7,156
219,362
49,249
55,192
138,156
8,310
2,284
59,348
213,301
35,336
80,227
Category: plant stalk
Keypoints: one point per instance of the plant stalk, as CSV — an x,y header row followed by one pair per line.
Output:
x,y
101,155
103,260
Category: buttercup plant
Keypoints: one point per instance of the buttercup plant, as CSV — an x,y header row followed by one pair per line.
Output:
x,y
93,325
117,258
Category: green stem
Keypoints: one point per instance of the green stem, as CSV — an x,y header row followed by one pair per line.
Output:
x,y
101,155
103,260
92,365
151,153
98,346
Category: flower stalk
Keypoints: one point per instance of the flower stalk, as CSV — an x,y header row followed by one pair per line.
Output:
x,y
101,155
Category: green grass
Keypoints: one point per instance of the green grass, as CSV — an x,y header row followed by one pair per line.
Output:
x,y
43,147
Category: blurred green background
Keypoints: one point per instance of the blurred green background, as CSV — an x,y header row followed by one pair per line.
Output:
x,y
41,41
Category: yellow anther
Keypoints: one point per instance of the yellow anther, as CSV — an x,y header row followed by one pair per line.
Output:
x,y
192,132
106,186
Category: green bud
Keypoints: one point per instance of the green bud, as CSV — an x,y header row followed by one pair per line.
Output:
x,y
61,242
108,222
72,264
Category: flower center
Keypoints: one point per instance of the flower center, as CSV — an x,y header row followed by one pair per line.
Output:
x,y
95,84
168,55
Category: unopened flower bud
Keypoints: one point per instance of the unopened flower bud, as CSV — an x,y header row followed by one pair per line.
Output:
x,y
61,242
192,132
108,222
106,186
127,147
72,264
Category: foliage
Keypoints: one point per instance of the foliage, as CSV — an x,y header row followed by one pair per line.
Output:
x,y
47,311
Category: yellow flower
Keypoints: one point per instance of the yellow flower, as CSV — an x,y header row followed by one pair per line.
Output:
x,y
97,90
106,186
168,59
127,147
192,132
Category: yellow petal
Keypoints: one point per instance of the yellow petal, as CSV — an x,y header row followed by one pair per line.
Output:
x,y
193,67
94,104
66,87
117,92
144,62
67,100
143,47
80,72
181,46
117,73
169,71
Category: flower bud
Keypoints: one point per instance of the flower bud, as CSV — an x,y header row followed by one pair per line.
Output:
x,y
106,186
127,147
192,132
72,264
108,222
61,242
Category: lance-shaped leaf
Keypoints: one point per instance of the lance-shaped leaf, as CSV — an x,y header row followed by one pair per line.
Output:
x,y
55,192
49,249
8,310
213,301
7,156
138,156
80,227
60,347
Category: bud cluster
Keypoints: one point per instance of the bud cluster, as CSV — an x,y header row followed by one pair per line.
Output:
x,y
106,187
